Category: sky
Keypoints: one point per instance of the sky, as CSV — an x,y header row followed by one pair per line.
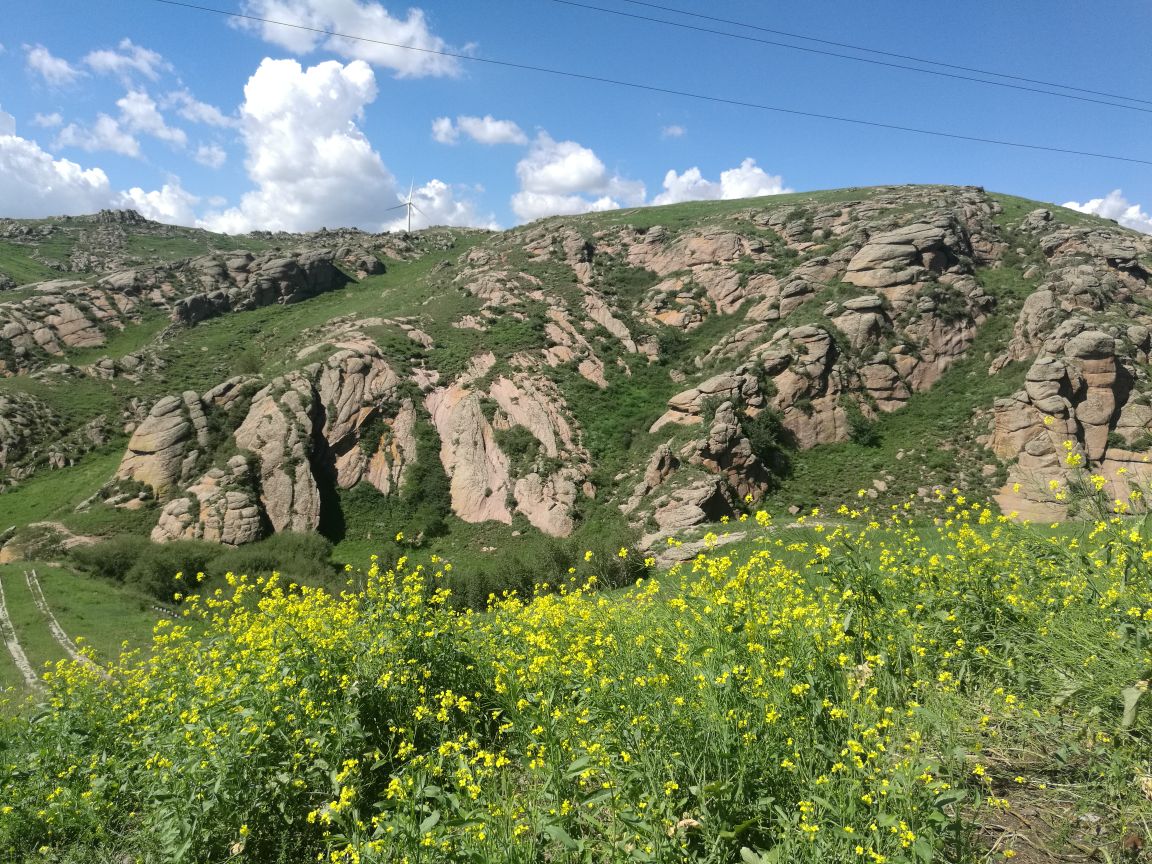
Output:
x,y
235,124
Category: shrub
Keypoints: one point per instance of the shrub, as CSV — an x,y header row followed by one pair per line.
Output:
x,y
304,558
113,558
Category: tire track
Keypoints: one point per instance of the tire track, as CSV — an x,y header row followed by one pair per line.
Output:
x,y
8,633
54,627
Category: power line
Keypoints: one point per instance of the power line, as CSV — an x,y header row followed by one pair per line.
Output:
x,y
826,53
668,91
914,59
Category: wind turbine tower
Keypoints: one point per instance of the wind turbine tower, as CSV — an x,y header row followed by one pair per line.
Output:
x,y
409,205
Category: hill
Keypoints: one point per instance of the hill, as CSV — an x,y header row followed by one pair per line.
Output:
x,y
621,376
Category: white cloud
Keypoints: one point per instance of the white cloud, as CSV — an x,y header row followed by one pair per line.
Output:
x,y
673,131
444,132
747,181
48,121
130,58
437,204
7,123
485,130
689,186
34,184
138,113
105,134
1115,206
191,108
55,70
311,164
750,181
564,178
353,17
212,155
170,204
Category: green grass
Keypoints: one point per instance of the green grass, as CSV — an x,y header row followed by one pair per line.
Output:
x,y
30,626
102,614
679,216
51,494
17,263
133,338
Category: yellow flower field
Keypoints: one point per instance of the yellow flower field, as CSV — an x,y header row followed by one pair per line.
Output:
x,y
879,687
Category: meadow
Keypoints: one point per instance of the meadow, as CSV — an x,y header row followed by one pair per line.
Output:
x,y
882,686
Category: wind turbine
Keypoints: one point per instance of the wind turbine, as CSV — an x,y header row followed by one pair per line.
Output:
x,y
409,205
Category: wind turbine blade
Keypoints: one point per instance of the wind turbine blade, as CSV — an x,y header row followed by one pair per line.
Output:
x,y
418,210
397,207
411,186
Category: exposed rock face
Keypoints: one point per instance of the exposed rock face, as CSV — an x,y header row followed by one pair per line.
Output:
x,y
809,311
351,387
65,314
25,425
243,281
725,451
221,507
478,468
163,450
1071,400
686,408
279,431
908,254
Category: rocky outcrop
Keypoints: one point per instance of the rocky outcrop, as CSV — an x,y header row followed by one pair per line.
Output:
x,y
687,408
279,431
477,467
1075,395
164,449
221,507
727,452
910,254
242,281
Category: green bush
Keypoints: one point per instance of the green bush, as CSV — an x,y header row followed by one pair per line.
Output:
x,y
305,558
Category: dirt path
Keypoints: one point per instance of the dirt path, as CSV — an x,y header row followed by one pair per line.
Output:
x,y
8,633
53,625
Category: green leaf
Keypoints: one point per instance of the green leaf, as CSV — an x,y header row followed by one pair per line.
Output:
x,y
559,835
954,796
1132,695
750,857
430,822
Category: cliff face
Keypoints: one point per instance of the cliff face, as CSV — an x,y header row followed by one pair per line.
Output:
x,y
657,364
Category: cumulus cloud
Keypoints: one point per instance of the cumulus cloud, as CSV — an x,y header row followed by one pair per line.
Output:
x,y
139,113
105,134
561,178
437,204
211,155
55,70
34,184
311,164
485,130
747,181
1115,206
191,108
171,203
354,17
129,58
48,121
673,131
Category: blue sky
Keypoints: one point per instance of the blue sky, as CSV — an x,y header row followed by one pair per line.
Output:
x,y
191,118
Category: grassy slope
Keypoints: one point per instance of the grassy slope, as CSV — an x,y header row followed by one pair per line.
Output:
x,y
615,422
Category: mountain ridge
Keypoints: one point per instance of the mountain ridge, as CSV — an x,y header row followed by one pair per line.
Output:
x,y
657,369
